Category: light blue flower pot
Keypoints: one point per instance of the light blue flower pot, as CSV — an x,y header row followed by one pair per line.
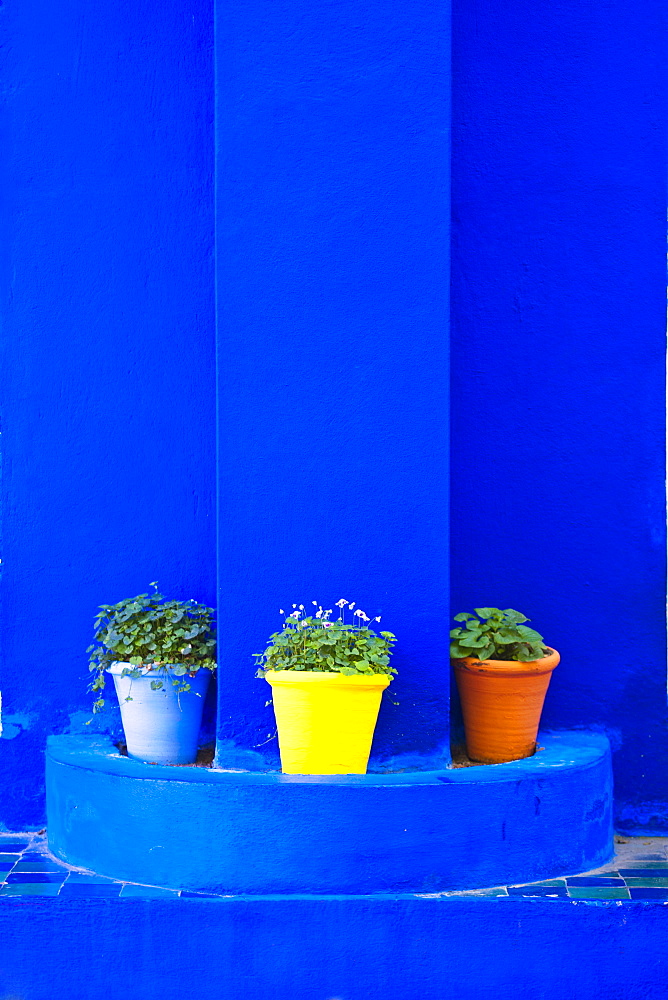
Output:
x,y
161,726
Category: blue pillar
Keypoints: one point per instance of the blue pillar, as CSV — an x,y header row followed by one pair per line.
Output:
x,y
332,288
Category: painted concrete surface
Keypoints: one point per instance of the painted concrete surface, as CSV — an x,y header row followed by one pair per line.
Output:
x,y
311,949
333,273
74,933
416,831
637,871
333,249
106,291
558,313
558,342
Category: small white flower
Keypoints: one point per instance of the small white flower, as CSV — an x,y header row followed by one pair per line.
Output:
x,y
352,605
327,624
281,611
315,602
301,607
295,614
358,613
294,605
318,614
377,619
340,603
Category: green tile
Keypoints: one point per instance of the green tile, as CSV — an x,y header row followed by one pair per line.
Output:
x,y
39,866
597,892
549,881
31,889
646,881
84,878
634,863
147,891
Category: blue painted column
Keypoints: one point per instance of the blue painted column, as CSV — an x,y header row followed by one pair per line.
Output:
x,y
332,288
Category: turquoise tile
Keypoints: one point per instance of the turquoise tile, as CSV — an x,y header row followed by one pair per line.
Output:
x,y
31,889
550,881
32,878
659,859
148,892
647,881
594,881
600,892
82,878
639,863
39,866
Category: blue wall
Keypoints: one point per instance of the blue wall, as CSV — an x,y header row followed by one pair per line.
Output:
x,y
107,367
332,283
332,229
559,201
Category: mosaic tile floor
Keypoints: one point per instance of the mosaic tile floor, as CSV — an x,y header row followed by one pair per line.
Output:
x,y
639,871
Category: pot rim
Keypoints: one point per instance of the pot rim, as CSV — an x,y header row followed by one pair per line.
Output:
x,y
118,666
327,678
509,667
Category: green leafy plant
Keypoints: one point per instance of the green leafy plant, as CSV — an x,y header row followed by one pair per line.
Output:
x,y
496,635
152,634
313,642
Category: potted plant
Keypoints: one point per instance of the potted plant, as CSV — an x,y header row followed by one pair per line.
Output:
x,y
161,655
327,679
503,670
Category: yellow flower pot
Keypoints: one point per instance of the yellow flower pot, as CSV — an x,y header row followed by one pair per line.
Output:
x,y
325,720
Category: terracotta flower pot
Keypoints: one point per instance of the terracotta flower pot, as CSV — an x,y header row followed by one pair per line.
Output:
x,y
502,701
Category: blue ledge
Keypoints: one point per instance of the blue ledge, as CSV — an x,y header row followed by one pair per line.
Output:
x,y
255,833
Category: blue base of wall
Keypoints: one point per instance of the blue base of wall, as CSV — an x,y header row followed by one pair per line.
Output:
x,y
345,948
260,833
